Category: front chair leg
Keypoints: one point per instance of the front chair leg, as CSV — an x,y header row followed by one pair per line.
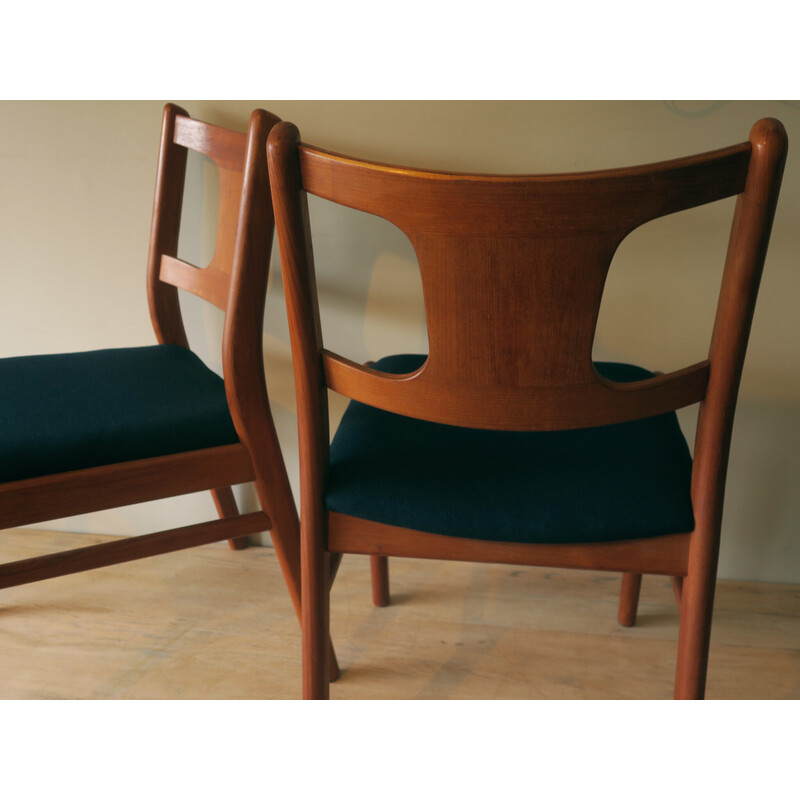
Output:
x,y
316,625
629,598
226,507
697,604
285,534
380,580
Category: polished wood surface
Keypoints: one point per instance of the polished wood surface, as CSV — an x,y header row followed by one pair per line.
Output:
x,y
93,556
533,253
290,203
209,623
225,503
68,493
658,555
226,149
747,248
380,580
629,598
513,269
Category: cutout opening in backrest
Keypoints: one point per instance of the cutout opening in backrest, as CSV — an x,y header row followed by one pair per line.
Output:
x,y
368,284
197,240
662,288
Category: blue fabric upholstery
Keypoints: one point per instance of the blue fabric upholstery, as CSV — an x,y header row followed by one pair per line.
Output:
x,y
76,410
598,484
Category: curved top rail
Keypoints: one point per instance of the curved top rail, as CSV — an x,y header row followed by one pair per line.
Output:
x,y
509,205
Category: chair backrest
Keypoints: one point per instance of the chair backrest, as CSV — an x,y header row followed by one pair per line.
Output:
x,y
513,270
242,176
236,278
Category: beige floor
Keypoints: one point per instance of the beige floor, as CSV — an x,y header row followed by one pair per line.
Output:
x,y
213,623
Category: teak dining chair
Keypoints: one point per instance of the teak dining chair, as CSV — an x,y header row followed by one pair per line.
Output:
x,y
506,443
82,432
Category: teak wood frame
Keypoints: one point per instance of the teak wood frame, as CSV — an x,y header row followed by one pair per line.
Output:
x,y
236,282
538,249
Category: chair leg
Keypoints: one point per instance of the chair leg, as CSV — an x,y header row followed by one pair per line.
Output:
x,y
677,589
226,507
697,606
285,536
629,598
380,580
334,670
316,625
333,663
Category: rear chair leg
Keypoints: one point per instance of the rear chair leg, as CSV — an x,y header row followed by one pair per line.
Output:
x,y
629,598
677,589
226,507
380,580
380,569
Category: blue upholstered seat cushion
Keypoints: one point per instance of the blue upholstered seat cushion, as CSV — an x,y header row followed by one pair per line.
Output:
x,y
598,484
76,410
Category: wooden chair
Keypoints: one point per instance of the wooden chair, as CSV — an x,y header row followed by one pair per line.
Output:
x,y
88,431
506,443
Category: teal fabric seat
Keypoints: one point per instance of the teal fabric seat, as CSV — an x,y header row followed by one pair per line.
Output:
x,y
76,410
609,483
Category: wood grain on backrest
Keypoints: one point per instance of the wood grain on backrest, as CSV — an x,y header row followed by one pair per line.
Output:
x,y
240,261
227,150
513,269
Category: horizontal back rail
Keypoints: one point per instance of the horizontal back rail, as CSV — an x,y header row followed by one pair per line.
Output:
x,y
530,408
224,147
210,284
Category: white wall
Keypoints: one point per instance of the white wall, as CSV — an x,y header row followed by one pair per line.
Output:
x,y
76,183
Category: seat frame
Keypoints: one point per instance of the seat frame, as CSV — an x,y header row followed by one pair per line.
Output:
x,y
537,249
235,281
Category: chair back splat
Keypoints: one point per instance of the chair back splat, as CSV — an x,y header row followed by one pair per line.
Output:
x,y
513,269
532,256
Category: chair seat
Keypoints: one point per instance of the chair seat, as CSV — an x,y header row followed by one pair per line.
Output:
x,y
77,410
608,483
